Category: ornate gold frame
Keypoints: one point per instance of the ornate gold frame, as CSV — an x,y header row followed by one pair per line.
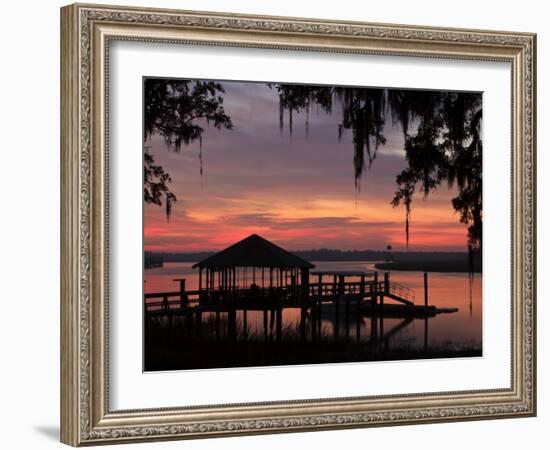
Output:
x,y
86,31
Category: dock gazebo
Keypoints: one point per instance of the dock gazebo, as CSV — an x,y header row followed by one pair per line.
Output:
x,y
253,265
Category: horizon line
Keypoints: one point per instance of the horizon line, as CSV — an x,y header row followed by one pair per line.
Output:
x,y
317,250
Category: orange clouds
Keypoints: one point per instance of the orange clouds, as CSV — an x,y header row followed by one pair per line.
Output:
x,y
330,224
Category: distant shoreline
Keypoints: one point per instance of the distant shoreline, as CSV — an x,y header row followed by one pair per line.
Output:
x,y
328,255
384,260
429,266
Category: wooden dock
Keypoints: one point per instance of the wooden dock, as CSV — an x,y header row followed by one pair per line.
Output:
x,y
257,275
367,296
346,304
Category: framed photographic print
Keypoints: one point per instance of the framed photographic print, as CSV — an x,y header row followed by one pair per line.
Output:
x,y
274,224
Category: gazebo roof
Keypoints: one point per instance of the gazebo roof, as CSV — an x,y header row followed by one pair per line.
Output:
x,y
253,251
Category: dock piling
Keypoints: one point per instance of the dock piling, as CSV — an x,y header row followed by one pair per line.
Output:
x,y
265,325
183,296
386,289
374,294
347,317
330,296
425,288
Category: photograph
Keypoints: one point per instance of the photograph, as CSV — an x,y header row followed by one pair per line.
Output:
x,y
291,224
337,226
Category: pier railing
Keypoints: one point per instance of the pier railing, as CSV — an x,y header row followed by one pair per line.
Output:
x,y
398,290
177,300
326,291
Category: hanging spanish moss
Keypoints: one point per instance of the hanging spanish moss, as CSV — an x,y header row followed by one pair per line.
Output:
x,y
155,184
441,131
200,157
281,114
290,122
307,119
175,110
363,112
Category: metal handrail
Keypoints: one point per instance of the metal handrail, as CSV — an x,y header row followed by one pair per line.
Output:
x,y
401,291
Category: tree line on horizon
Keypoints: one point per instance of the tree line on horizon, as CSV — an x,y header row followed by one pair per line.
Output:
x,y
323,254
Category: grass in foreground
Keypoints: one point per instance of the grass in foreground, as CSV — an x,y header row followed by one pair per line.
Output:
x,y
178,349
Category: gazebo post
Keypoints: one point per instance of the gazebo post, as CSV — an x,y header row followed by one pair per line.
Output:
x,y
226,273
304,282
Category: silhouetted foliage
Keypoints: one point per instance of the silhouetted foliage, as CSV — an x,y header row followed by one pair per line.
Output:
x,y
442,140
363,112
176,110
300,98
441,132
155,184
446,147
173,109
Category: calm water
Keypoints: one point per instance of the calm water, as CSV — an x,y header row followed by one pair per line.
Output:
x,y
460,329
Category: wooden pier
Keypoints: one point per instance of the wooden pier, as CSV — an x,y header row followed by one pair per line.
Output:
x,y
256,275
370,296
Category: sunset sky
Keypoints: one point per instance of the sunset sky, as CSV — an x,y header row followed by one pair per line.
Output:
x,y
297,191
